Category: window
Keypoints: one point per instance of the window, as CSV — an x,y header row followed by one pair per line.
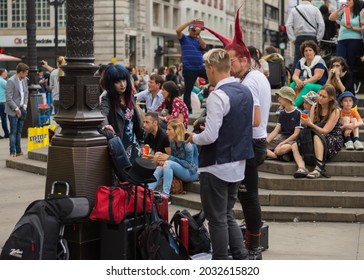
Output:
x,y
175,17
156,14
132,10
62,15
19,14
43,13
167,22
3,13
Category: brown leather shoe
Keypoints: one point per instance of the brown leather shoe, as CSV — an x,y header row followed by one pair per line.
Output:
x,y
19,154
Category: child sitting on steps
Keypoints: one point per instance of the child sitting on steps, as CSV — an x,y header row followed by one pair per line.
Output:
x,y
309,100
288,126
351,121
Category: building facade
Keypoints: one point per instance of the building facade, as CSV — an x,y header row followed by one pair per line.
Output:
x,y
136,32
13,34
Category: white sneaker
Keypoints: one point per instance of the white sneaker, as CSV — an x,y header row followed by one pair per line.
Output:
x,y
358,145
349,145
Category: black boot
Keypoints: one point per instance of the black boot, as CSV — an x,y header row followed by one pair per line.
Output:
x,y
252,243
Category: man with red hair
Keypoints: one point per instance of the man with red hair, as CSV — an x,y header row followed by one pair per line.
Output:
x,y
259,87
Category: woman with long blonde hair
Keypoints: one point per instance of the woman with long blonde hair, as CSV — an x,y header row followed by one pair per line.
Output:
x,y
182,163
54,82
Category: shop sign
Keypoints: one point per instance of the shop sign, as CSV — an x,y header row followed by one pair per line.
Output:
x,y
42,41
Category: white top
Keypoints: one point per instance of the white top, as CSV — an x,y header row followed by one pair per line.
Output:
x,y
21,90
54,84
219,103
297,26
259,86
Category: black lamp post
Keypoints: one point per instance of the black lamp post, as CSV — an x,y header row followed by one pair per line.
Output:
x,y
31,119
56,4
79,153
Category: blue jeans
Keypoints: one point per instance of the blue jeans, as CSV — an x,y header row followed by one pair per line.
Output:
x,y
170,169
4,122
16,127
218,198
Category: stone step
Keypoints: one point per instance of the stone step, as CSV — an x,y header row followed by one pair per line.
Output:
x,y
40,154
303,197
29,165
284,213
311,198
333,168
273,181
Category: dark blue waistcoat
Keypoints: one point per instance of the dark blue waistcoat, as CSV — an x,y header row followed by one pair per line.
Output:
x,y
234,142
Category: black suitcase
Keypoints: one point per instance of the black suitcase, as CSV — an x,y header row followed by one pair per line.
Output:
x,y
120,242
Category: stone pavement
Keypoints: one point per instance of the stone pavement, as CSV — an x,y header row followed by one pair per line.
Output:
x,y
287,241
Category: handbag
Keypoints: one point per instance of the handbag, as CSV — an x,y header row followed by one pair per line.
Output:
x,y
176,186
115,203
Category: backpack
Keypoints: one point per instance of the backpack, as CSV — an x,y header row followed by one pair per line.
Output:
x,y
158,242
198,236
38,235
306,147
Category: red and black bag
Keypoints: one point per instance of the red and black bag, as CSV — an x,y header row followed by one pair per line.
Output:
x,y
114,204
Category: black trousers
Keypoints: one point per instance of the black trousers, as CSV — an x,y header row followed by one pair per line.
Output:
x,y
249,197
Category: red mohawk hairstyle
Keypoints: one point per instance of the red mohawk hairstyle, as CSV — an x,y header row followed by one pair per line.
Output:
x,y
237,44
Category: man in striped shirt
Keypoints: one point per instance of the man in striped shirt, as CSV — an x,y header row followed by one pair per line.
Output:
x,y
192,47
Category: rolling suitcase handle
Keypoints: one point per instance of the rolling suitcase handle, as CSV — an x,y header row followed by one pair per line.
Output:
x,y
145,187
59,194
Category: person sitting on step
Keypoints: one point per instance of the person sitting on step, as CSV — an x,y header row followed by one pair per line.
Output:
x,y
351,121
310,72
309,100
287,129
325,119
182,163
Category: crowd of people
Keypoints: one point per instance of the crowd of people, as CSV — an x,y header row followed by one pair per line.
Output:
x,y
230,140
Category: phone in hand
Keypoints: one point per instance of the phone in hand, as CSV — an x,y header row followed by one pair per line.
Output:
x,y
187,135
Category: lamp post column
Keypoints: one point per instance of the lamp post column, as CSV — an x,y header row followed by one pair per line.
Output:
x,y
79,154
32,110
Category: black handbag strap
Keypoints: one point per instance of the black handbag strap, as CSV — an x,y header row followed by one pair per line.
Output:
x,y
309,23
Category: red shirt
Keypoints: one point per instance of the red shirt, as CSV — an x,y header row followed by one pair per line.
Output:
x,y
178,107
